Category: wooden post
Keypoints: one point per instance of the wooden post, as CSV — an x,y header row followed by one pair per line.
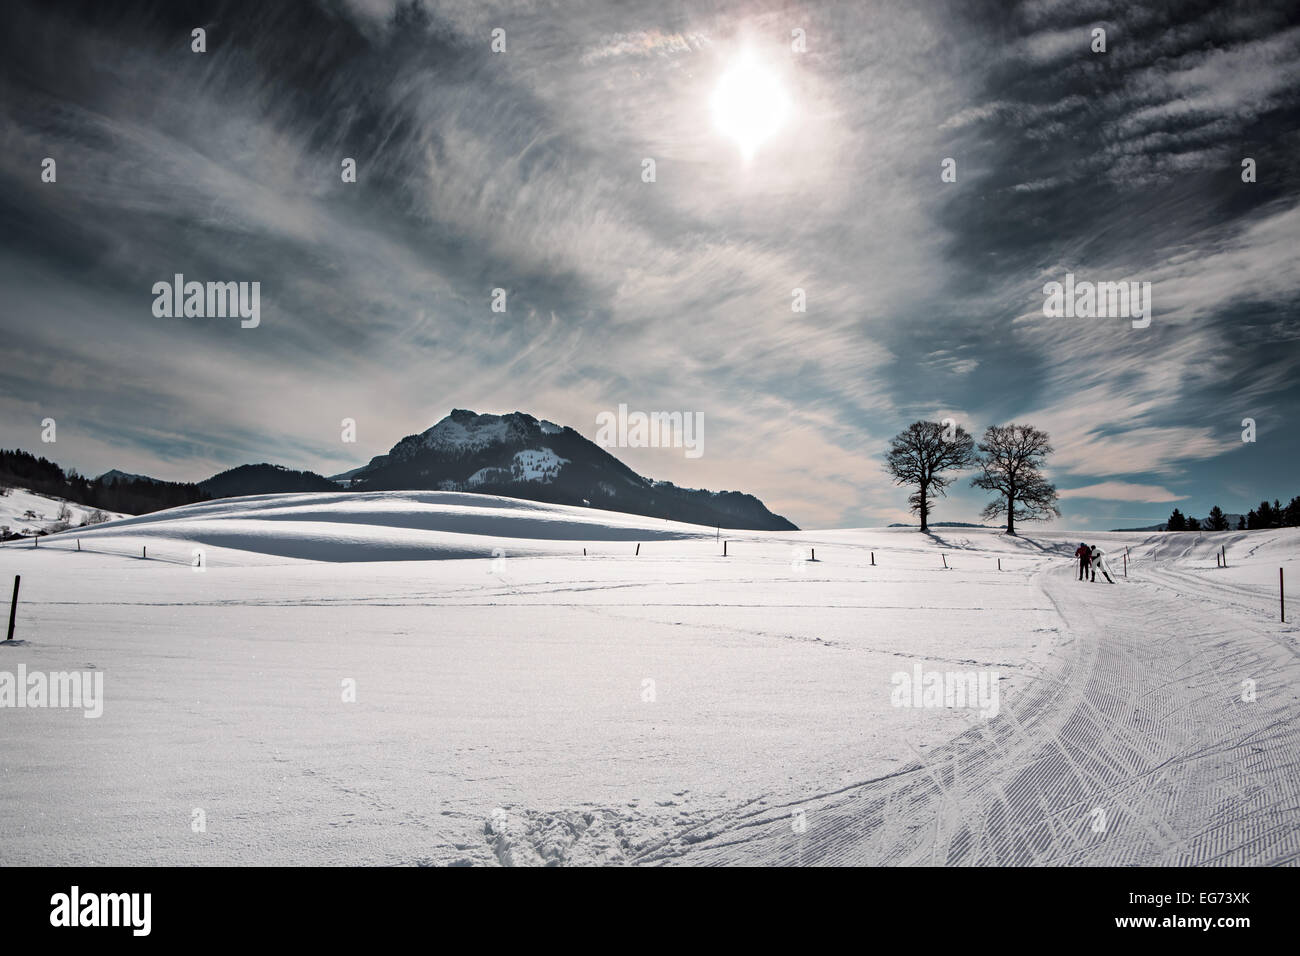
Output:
x,y
814,554
1281,594
584,552
638,547
999,564
78,544
945,561
13,606
724,549
873,559
144,551
1223,553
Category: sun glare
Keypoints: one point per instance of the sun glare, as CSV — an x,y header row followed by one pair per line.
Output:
x,y
749,104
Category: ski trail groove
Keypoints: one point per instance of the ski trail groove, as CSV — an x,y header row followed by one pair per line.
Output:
x,y
1137,750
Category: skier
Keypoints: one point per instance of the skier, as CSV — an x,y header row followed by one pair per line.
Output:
x,y
1084,554
1099,561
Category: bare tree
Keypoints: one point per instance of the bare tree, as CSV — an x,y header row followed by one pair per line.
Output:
x,y
1011,458
64,520
920,455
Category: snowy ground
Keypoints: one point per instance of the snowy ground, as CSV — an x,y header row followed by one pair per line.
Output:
x,y
26,512
519,703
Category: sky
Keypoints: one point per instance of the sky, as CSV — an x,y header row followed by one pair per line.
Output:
x,y
525,170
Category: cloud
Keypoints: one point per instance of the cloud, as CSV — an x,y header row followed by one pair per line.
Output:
x,y
522,171
644,43
1122,491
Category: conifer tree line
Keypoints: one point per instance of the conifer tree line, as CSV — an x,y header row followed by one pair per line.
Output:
x,y
1275,515
20,469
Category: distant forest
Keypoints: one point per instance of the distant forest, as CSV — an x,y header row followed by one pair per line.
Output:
x,y
23,470
1275,515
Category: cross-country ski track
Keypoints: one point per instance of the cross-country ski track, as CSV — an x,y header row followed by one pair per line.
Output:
x,y
1135,748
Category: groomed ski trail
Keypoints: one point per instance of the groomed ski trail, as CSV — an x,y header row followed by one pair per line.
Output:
x,y
1137,748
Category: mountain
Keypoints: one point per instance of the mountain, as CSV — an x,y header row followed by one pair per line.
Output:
x,y
115,477
344,478
120,493
264,479
518,456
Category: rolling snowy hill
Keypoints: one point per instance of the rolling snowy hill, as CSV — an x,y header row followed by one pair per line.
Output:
x,y
25,512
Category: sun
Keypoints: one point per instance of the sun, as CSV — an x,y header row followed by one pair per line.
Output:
x,y
749,104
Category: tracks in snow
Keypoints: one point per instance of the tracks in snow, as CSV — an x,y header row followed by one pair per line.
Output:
x,y
1137,749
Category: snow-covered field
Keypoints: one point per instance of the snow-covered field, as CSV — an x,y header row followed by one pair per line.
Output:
x,y
518,702
26,512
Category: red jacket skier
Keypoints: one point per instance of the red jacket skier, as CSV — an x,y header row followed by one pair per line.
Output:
x,y
1084,554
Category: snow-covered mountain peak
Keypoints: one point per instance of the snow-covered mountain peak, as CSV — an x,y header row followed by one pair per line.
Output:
x,y
518,455
114,476
465,431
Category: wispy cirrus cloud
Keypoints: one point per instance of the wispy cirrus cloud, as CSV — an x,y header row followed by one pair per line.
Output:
x,y
522,171
1123,491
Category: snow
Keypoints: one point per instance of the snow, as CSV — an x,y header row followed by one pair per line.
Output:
x,y
537,465
484,475
15,505
540,465
481,432
518,703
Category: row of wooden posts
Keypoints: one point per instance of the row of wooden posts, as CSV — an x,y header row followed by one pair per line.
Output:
x,y
1221,560
13,602
1220,557
144,550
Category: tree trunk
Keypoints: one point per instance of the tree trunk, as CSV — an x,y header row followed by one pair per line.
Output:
x,y
924,512
1011,514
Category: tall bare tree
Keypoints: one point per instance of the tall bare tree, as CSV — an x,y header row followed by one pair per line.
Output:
x,y
1011,456
920,455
